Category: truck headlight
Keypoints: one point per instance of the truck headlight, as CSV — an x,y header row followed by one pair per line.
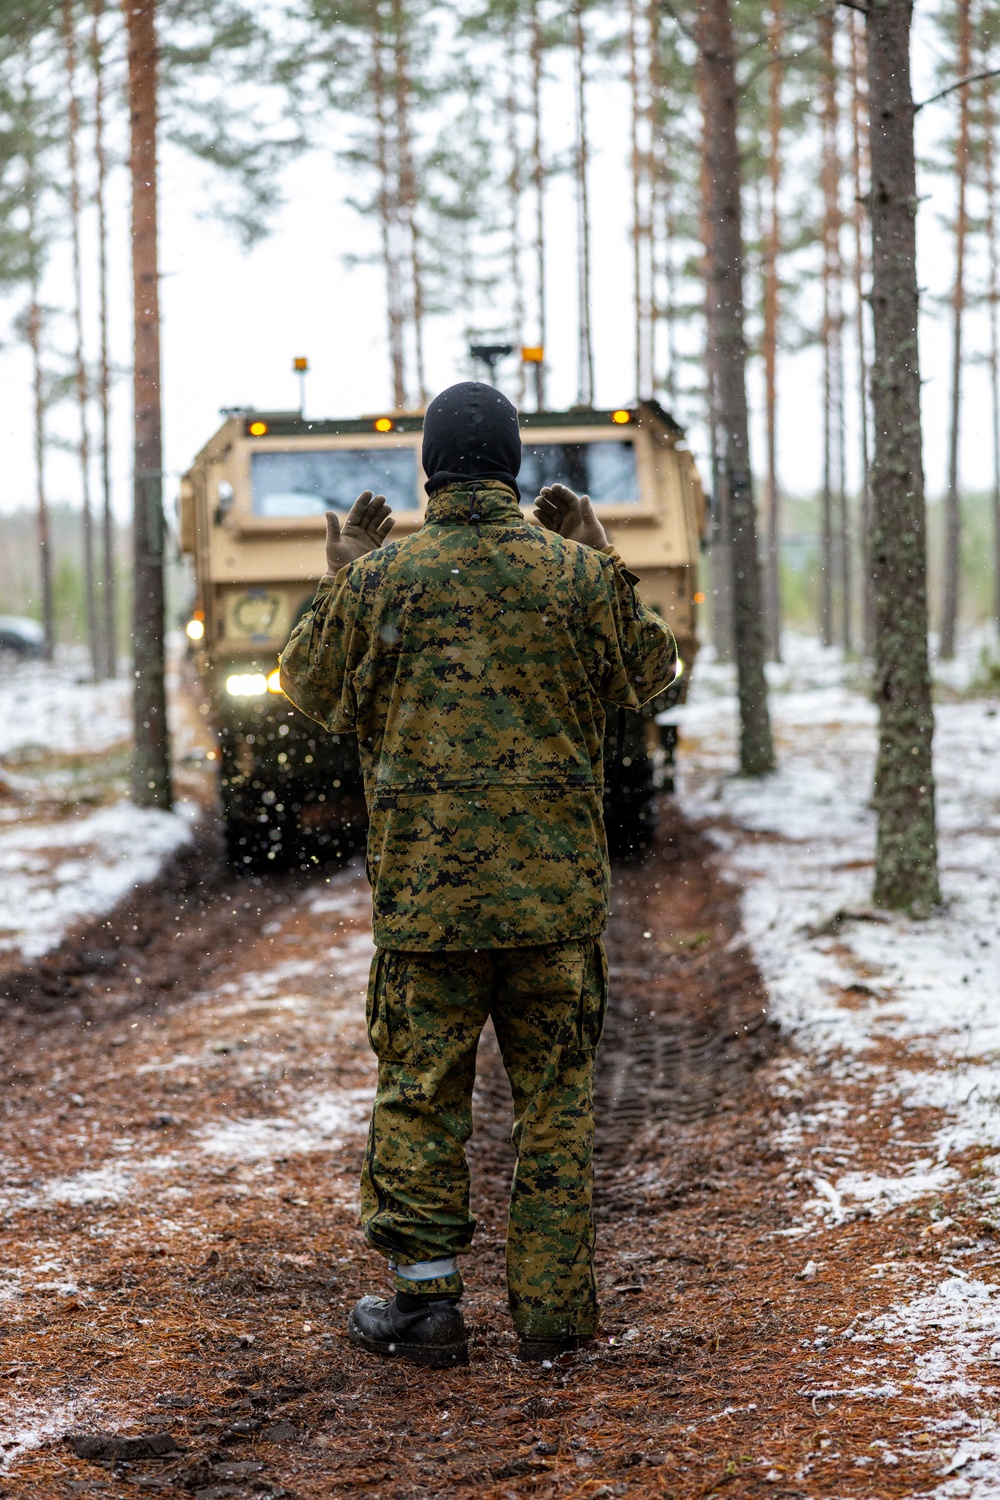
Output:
x,y
246,685
274,681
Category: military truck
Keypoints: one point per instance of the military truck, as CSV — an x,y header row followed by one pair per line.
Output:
x,y
252,520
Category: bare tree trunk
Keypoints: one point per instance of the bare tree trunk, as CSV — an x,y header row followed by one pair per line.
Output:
x,y
858,217
645,186
720,549
844,537
831,312
151,766
387,213
663,233
585,392
34,332
80,368
515,180
953,510
637,184
772,574
407,191
906,844
538,179
992,227
104,377
717,63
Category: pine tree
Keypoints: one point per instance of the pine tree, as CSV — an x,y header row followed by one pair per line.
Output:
x,y
581,163
860,272
151,779
906,845
721,146
108,582
81,378
953,512
772,579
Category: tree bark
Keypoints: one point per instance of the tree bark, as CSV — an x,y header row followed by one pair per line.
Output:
x,y
992,228
717,64
830,333
772,572
79,363
109,585
151,783
515,182
34,334
906,844
860,259
585,392
953,510
538,180
638,298
387,215
407,192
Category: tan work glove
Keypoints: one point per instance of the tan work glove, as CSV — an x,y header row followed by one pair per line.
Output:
x,y
569,515
367,526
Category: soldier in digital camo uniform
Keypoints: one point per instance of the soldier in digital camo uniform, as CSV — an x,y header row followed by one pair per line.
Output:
x,y
473,660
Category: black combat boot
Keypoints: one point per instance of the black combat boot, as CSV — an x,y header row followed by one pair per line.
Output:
x,y
534,1351
424,1330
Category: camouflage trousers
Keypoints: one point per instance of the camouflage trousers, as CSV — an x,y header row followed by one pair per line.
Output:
x,y
425,1015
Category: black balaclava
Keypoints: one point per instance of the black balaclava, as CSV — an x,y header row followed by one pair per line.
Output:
x,y
471,432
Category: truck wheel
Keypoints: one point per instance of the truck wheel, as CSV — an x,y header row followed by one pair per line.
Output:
x,y
629,809
256,833
629,791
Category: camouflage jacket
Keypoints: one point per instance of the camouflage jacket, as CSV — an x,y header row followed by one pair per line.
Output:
x,y
473,659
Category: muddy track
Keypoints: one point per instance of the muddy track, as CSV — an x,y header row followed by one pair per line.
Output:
x,y
686,1024
168,938
686,1014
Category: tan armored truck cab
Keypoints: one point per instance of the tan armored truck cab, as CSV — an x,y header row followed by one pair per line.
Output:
x,y
252,520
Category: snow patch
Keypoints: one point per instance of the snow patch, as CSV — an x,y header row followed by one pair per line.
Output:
x,y
54,875
323,1123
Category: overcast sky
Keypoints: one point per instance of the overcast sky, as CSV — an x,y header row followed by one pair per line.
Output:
x,y
233,321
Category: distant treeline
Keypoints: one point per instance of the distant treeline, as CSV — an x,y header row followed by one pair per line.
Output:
x,y
20,591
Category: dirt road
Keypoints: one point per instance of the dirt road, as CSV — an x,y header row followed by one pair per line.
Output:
x,y
185,1098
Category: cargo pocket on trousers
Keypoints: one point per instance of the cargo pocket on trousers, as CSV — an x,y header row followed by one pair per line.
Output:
x,y
389,1032
594,1000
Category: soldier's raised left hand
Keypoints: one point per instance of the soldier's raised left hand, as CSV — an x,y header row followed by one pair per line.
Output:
x,y
367,526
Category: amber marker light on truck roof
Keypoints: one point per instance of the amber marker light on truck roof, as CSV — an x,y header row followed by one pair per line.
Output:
x,y
258,429
621,417
699,598
383,424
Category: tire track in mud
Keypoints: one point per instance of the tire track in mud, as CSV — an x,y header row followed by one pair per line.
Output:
x,y
686,1024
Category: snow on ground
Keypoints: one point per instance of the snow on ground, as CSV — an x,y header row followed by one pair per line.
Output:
x,y
51,706
64,858
850,983
55,875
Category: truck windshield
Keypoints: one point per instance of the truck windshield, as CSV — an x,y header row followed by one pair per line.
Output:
x,y
604,470
310,481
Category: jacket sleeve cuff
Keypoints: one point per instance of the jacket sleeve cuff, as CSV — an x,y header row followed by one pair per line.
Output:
x,y
610,551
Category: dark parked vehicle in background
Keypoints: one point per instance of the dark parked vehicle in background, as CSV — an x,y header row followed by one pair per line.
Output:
x,y
20,636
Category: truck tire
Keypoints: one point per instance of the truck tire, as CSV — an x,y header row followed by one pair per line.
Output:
x,y
629,789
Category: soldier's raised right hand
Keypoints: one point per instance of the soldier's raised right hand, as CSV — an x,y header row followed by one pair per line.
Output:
x,y
367,526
